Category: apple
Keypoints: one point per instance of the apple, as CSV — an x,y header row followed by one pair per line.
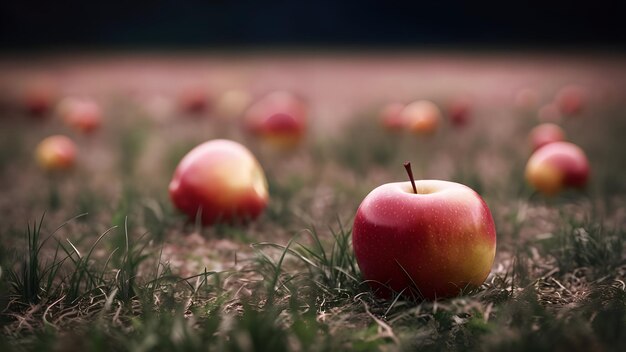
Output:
x,y
459,111
193,100
279,118
221,181
557,166
421,117
56,153
428,239
571,99
526,98
232,103
544,134
549,113
390,117
39,99
83,115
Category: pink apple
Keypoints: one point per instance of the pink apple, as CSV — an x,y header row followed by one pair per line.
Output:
x,y
83,115
544,134
221,181
390,117
56,153
280,118
571,99
459,111
431,240
557,166
421,117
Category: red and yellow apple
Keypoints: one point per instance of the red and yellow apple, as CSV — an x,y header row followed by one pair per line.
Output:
x,y
571,99
544,134
390,117
279,118
557,166
421,117
459,111
432,241
83,115
220,181
56,153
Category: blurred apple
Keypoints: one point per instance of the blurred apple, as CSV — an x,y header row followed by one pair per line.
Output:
x,y
429,240
459,111
390,117
232,103
571,99
526,98
55,153
421,117
221,181
544,134
557,166
83,115
193,100
279,118
39,99
549,113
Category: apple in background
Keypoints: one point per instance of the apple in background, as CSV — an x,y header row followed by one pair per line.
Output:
x,y
459,111
428,239
39,99
221,181
232,103
390,117
571,99
193,100
421,117
279,118
549,113
557,166
544,134
56,153
83,115
526,98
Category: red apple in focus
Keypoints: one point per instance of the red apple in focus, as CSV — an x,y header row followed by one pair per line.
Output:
x,y
429,244
193,100
421,117
280,118
544,134
83,115
390,117
220,180
459,111
56,153
571,99
557,166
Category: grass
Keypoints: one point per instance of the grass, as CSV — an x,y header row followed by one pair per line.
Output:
x,y
135,275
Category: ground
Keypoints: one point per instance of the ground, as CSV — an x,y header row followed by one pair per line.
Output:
x,y
99,259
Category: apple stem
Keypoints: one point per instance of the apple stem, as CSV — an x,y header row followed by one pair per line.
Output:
x,y
407,166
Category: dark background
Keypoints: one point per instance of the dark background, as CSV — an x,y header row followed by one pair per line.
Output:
x,y
55,25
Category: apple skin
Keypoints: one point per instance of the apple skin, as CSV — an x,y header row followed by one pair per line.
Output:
x,y
421,117
571,99
544,134
222,180
390,117
441,240
557,166
83,115
56,153
279,118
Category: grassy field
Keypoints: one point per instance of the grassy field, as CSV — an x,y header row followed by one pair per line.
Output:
x,y
98,259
